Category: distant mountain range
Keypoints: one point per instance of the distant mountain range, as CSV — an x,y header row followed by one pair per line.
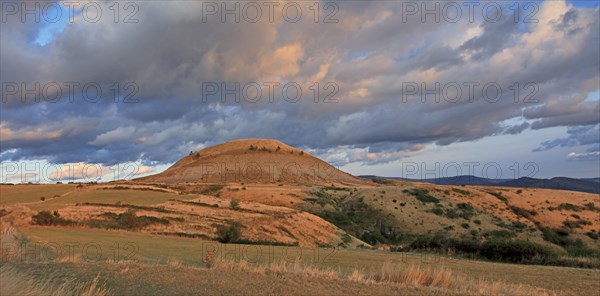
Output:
x,y
591,185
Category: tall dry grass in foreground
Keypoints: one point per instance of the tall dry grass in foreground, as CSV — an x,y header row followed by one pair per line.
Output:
x,y
16,283
438,280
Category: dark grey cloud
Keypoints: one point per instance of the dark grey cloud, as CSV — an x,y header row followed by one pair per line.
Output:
x,y
496,36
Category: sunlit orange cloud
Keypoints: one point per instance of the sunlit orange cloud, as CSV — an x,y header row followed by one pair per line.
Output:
x,y
7,134
89,171
282,62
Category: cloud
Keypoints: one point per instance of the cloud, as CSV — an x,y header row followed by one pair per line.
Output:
x,y
166,59
577,136
95,172
27,134
115,136
587,156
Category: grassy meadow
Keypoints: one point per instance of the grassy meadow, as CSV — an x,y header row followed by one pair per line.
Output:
x,y
103,250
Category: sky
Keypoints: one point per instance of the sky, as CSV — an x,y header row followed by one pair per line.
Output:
x,y
122,89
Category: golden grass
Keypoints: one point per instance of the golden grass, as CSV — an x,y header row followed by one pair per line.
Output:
x,y
436,279
191,252
17,283
18,194
134,197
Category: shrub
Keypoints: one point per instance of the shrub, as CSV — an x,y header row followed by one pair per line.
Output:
x,y
591,207
592,235
437,211
568,207
461,191
422,195
212,189
466,210
42,198
45,218
576,224
523,212
229,232
465,225
519,225
379,180
452,213
499,234
557,236
346,239
234,204
440,243
128,221
516,251
499,196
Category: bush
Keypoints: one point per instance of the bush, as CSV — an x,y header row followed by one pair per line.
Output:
x,y
499,234
466,210
437,211
234,204
557,236
422,195
45,218
576,224
591,207
497,250
568,207
346,239
128,221
592,235
229,232
516,251
463,192
499,196
523,212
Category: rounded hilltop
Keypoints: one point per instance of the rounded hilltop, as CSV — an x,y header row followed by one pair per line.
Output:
x,y
243,145
258,161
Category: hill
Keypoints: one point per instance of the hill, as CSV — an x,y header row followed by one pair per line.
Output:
x,y
253,161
